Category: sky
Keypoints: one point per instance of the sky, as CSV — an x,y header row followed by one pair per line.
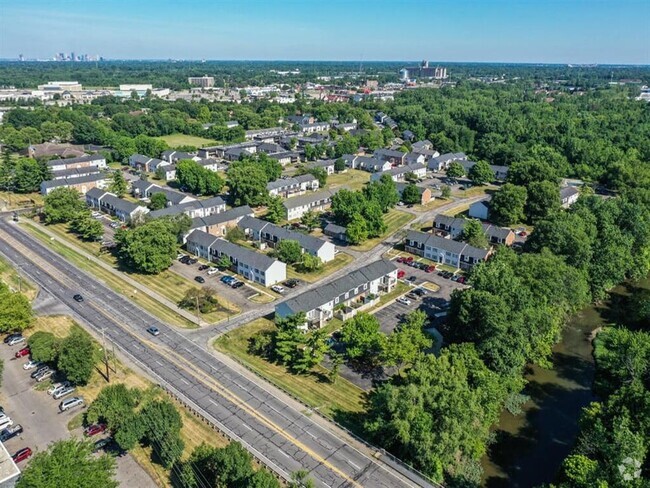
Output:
x,y
535,31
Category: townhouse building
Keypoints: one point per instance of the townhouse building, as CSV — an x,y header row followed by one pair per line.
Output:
x,y
290,187
96,160
80,183
111,204
193,209
218,224
399,173
318,201
454,228
444,251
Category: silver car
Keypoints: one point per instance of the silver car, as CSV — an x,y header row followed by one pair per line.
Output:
x,y
47,374
63,392
71,403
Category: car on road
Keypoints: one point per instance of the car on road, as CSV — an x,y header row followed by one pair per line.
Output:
x,y
212,271
23,352
57,386
199,279
45,375
71,403
16,340
63,392
94,429
237,284
404,301
10,337
10,432
31,364
292,283
203,267
22,454
78,298
154,331
278,289
40,371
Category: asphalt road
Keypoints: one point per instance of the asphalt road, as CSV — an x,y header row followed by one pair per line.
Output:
x,y
279,435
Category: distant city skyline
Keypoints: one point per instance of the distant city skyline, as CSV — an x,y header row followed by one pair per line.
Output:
x,y
523,31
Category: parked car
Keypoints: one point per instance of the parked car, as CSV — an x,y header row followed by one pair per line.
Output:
x,y
16,340
411,279
212,271
523,233
462,279
94,429
404,301
71,403
412,296
78,298
101,443
10,337
227,279
5,421
400,274
45,375
115,225
22,454
237,284
430,269
278,289
199,279
180,256
40,371
57,386
420,292
191,261
400,259
31,364
203,267
10,432
63,392
408,259
292,283
154,331
23,352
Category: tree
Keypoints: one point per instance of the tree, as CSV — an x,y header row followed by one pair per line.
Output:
x,y
507,205
474,234
408,341
319,173
357,230
224,262
205,298
337,361
43,346
455,170
15,310
445,191
301,479
235,234
275,210
76,357
310,263
247,184
157,201
347,204
383,192
310,219
339,165
542,201
289,251
62,205
528,171
481,173
411,195
150,248
28,175
118,184
69,463
362,337
113,406
197,179
86,227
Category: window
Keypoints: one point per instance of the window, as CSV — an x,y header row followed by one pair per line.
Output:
x,y
365,287
347,295
336,300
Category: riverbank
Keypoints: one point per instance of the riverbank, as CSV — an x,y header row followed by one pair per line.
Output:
x,y
530,447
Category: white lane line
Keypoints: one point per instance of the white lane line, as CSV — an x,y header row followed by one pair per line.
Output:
x,y
353,465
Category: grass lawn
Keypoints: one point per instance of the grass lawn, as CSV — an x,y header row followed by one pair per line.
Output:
x,y
340,260
114,282
312,388
433,204
10,201
395,220
474,191
167,283
175,140
353,178
15,281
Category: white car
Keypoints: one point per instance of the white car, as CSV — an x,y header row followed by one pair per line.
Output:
x,y
278,289
71,403
45,375
212,271
31,365
404,301
16,340
57,386
5,421
115,225
60,393
96,214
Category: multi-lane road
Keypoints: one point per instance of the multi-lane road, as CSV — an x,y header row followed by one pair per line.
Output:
x,y
275,431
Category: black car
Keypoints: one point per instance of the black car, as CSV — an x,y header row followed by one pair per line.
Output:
x,y
292,283
203,267
10,432
78,298
192,261
199,279
238,284
184,259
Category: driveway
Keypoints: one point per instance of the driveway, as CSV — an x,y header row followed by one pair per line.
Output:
x,y
38,413
446,286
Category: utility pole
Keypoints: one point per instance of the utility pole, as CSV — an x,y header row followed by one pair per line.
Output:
x,y
108,373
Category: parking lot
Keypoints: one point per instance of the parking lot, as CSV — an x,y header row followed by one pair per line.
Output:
x,y
42,422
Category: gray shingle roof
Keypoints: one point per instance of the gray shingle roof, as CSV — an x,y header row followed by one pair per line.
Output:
x,y
307,242
323,294
221,217
302,200
456,247
188,206
95,193
119,203
80,159
568,191
75,181
74,172
200,238
242,254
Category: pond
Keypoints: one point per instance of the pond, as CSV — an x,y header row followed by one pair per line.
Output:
x,y
531,447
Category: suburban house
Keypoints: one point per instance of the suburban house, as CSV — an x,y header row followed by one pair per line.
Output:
x,y
210,164
345,296
300,119
168,171
425,193
144,189
413,158
172,156
317,202
315,127
270,234
75,172
569,195
374,165
145,163
81,162
443,161
393,157
218,224
399,173
113,205
236,153
335,231
251,265
445,251
80,183
346,127
193,208
285,157
479,210
425,145
454,228
326,164
289,187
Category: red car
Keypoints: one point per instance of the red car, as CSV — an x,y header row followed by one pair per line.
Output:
x,y
400,274
23,352
409,259
400,259
430,269
21,455
94,429
523,233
